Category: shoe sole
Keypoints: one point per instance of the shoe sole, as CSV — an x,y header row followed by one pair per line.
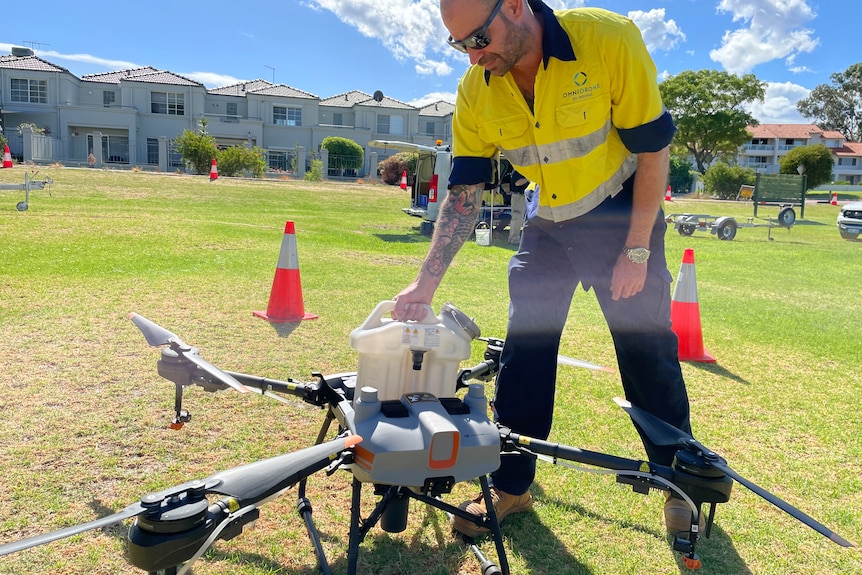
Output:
x,y
470,529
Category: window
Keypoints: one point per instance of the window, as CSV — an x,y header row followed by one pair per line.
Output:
x,y
32,91
109,98
382,124
429,129
231,109
170,103
789,142
338,119
847,161
390,124
286,116
152,151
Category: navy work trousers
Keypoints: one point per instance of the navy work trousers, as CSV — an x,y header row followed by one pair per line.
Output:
x,y
550,263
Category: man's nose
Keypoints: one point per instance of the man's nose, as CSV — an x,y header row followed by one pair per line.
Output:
x,y
475,55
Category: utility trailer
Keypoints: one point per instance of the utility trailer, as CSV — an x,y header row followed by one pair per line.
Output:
x,y
724,227
27,186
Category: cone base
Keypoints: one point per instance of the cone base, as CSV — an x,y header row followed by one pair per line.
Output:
x,y
705,358
263,315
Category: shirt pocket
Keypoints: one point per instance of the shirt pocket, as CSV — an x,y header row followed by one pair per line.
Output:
x,y
506,133
585,116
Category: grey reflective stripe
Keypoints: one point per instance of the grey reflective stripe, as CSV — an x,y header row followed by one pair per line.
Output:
x,y
558,151
288,258
685,290
608,188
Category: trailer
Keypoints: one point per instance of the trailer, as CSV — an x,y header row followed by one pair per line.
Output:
x,y
27,186
724,227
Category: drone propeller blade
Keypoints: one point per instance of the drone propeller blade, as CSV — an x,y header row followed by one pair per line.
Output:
x,y
783,505
256,481
563,360
659,432
130,511
156,335
662,433
215,372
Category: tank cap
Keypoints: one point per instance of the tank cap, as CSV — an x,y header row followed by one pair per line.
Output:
x,y
460,318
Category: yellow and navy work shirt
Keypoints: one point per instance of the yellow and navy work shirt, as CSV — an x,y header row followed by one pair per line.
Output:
x,y
597,104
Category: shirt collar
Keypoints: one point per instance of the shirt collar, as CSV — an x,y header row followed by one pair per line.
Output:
x,y
555,41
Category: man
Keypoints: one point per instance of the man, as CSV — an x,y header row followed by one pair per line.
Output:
x,y
571,99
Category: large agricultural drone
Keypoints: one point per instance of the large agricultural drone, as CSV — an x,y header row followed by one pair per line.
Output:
x,y
415,447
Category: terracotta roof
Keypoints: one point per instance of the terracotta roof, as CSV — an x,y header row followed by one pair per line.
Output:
x,y
115,77
261,87
357,98
849,149
439,109
795,131
163,77
32,63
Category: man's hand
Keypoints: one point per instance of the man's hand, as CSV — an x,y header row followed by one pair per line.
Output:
x,y
628,278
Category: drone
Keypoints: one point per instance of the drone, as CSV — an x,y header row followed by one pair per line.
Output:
x,y
417,446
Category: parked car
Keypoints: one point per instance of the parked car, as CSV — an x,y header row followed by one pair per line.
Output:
x,y
430,182
850,221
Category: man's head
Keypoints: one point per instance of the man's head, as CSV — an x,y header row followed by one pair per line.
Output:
x,y
494,33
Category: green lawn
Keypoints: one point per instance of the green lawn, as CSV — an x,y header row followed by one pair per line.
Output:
x,y
85,419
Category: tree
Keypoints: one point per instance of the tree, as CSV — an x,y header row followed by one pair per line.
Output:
x,y
679,175
197,150
348,155
817,161
708,109
237,159
723,180
839,106
392,167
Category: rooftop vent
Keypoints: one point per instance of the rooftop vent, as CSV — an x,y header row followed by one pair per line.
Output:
x,y
20,52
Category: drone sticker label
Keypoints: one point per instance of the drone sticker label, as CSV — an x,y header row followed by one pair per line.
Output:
x,y
420,397
432,336
410,336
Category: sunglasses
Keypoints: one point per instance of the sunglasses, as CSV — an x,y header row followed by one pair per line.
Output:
x,y
478,39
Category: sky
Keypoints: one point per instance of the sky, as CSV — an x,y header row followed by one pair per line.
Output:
x,y
328,47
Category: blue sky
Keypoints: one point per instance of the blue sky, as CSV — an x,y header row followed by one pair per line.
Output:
x,y
328,47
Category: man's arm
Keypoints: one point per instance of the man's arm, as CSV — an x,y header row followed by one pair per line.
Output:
x,y
455,222
649,187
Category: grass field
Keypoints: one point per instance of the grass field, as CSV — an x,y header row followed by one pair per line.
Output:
x,y
84,428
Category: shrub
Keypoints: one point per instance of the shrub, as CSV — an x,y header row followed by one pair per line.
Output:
x,y
723,181
392,167
315,173
197,150
350,153
817,161
238,159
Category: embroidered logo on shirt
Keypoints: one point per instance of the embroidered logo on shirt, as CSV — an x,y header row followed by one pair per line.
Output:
x,y
580,79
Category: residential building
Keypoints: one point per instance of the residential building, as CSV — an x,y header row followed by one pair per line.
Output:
x,y
132,116
771,142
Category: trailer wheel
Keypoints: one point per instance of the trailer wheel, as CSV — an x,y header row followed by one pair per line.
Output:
x,y
686,229
786,217
726,230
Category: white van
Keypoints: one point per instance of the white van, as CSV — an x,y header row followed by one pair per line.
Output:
x,y
431,181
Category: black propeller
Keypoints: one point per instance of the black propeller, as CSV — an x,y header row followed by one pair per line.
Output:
x,y
156,335
662,433
249,484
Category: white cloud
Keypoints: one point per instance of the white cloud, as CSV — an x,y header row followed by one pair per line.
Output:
x,y
779,104
773,29
658,34
433,97
211,79
87,59
410,30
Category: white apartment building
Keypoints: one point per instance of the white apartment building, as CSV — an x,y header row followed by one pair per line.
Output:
x,y
132,116
770,142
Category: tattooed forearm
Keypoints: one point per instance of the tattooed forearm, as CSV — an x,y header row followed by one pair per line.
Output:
x,y
455,222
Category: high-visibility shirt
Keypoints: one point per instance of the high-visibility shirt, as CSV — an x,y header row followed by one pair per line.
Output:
x,y
596,106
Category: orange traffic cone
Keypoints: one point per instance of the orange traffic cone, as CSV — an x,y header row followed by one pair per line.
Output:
x,y
404,180
285,299
214,171
667,197
834,201
685,313
7,158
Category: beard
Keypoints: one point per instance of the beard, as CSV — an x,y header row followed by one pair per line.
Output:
x,y
511,50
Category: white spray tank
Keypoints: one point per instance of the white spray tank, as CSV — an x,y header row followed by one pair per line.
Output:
x,y
398,357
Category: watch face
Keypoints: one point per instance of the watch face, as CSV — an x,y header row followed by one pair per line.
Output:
x,y
637,255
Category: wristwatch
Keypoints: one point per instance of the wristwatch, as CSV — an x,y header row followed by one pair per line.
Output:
x,y
637,255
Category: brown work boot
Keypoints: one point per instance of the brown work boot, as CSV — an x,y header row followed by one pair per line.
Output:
x,y
677,516
504,504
